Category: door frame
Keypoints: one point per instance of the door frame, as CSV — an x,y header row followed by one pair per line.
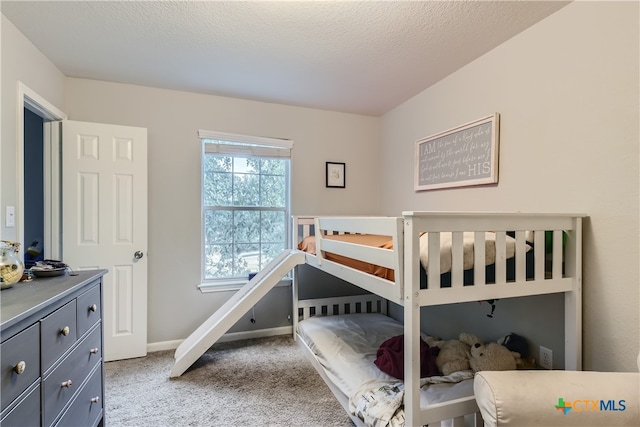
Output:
x,y
29,99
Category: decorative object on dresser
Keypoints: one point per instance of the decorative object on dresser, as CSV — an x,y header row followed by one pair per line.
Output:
x,y
51,352
11,266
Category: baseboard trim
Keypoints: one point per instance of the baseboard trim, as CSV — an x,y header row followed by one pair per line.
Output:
x,y
163,345
234,336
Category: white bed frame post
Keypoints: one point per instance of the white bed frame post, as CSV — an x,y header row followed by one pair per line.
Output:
x,y
301,227
294,296
573,299
411,325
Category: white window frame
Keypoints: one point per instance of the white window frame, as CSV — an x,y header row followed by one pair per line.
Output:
x,y
223,143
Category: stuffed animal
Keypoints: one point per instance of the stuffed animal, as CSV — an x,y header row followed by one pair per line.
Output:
x,y
493,357
454,355
470,352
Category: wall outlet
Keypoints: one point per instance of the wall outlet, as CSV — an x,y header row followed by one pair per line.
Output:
x,y
546,358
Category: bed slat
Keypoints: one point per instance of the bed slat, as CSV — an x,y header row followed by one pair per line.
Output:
x,y
433,265
457,259
521,260
377,256
479,251
501,257
369,303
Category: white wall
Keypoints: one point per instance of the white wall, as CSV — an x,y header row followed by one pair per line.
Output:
x,y
172,118
567,91
21,61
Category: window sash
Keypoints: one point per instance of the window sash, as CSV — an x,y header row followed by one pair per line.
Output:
x,y
244,146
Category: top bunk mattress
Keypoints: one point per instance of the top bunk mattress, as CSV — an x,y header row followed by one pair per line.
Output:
x,y
346,347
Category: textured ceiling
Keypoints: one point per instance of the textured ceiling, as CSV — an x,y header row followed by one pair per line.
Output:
x,y
362,57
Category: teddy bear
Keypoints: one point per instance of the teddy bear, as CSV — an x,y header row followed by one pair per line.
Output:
x,y
470,352
493,357
454,354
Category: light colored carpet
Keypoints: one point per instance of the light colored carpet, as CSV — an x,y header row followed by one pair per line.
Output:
x,y
258,382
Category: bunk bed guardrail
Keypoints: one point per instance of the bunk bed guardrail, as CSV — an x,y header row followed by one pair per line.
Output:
x,y
556,268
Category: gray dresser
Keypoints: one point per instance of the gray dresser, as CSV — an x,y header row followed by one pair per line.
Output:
x,y
51,352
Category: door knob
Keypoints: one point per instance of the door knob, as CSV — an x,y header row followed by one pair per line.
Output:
x,y
138,254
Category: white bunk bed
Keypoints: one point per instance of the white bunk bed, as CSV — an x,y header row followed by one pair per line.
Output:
x,y
557,268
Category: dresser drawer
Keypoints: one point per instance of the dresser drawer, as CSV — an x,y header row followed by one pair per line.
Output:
x,y
86,410
66,378
20,361
89,309
58,334
26,412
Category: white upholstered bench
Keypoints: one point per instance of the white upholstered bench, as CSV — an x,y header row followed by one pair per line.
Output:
x,y
558,398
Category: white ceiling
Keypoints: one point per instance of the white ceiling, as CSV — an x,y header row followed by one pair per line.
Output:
x,y
362,57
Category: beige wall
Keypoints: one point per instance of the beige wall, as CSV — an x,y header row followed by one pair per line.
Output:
x,y
567,91
20,61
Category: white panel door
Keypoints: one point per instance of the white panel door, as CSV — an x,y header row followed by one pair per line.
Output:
x,y
104,224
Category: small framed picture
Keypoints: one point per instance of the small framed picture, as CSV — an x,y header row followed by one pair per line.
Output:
x,y
335,175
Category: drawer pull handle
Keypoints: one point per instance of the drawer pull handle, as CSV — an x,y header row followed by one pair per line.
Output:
x,y
20,367
94,350
65,331
93,307
66,383
95,399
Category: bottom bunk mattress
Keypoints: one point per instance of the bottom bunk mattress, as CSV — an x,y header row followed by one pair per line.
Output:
x,y
346,346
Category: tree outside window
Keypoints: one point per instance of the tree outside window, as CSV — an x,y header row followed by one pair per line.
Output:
x,y
245,211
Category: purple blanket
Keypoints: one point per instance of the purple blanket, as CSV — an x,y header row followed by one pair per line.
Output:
x,y
390,358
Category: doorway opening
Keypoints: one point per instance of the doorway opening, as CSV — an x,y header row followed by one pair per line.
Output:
x,y
34,216
38,188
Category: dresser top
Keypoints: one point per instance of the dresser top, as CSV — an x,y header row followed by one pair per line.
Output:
x,y
27,298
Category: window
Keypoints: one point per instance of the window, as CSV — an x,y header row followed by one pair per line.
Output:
x,y
245,204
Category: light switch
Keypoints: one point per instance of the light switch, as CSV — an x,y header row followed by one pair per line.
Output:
x,y
10,220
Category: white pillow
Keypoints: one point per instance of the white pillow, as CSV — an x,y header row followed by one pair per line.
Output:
x,y
468,239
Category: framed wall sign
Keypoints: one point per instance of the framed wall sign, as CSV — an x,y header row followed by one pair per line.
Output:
x,y
335,175
463,156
